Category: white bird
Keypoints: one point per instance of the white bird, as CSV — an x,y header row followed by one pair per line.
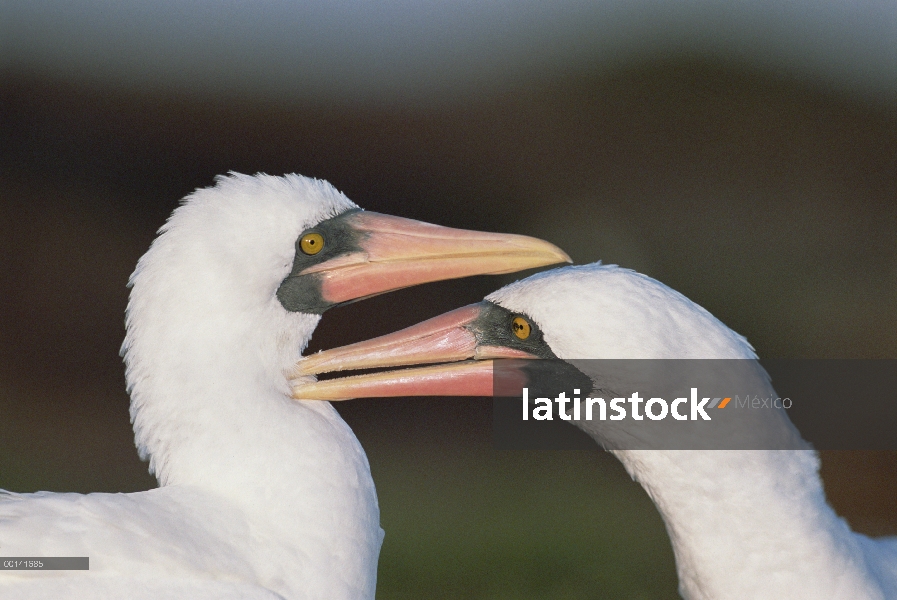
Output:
x,y
743,523
260,496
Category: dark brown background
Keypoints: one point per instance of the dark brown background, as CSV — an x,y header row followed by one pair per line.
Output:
x,y
768,200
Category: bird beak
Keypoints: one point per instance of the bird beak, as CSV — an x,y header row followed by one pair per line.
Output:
x,y
447,338
397,253
467,378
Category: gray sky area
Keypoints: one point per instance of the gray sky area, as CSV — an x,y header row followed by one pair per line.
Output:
x,y
403,49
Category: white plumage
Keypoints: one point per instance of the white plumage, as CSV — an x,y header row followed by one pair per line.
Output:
x,y
254,484
261,496
742,523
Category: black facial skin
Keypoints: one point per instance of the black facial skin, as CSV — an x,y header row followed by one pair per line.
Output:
x,y
545,377
302,293
493,327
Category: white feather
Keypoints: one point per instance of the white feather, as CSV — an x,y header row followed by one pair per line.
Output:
x,y
262,496
743,524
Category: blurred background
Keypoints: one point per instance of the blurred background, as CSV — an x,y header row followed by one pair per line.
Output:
x,y
743,153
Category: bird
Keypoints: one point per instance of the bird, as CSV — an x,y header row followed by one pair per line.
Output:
x,y
743,523
260,495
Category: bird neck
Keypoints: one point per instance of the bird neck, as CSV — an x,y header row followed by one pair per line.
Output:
x,y
217,417
202,380
750,523
211,408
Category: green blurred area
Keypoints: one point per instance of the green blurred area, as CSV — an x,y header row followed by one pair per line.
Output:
x,y
769,202
480,528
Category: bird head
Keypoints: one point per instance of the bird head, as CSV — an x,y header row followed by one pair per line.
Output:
x,y
255,260
229,293
578,312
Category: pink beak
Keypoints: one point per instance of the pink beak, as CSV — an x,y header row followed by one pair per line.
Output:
x,y
443,339
397,253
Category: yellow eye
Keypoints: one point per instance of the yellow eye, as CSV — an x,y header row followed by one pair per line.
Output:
x,y
312,243
521,327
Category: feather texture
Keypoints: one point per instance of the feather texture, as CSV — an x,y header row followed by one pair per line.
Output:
x,y
261,496
743,524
